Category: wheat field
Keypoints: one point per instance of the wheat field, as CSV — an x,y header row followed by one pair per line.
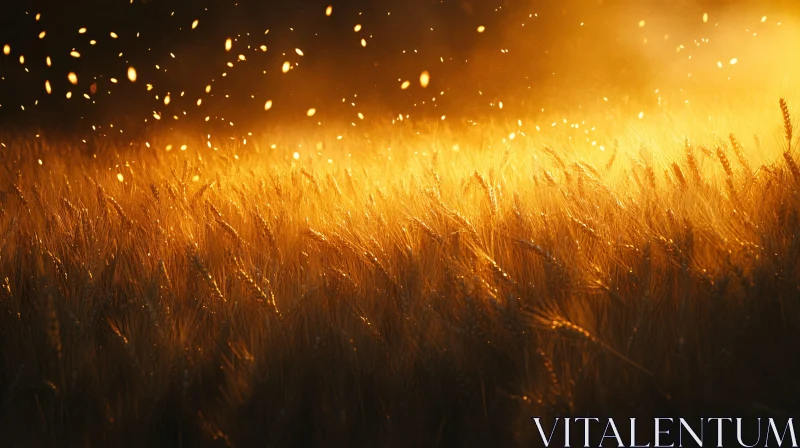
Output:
x,y
428,296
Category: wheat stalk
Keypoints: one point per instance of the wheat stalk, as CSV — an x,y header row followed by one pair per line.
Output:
x,y
311,178
787,123
737,149
679,175
154,192
585,227
560,324
165,285
650,174
692,162
487,190
217,214
201,191
549,177
120,211
317,236
257,292
539,250
68,205
267,231
216,293
723,159
555,156
335,185
427,230
613,157
793,168
498,272
229,230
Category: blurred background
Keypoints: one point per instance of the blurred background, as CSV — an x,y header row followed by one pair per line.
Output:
x,y
528,55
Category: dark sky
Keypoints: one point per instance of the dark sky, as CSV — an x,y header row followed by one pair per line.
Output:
x,y
334,65
550,56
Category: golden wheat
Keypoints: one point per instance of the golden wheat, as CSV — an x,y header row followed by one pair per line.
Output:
x,y
238,295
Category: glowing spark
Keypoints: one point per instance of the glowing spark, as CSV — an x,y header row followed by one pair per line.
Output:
x,y
199,101
357,28
69,95
38,16
82,30
360,116
363,42
641,115
228,44
298,51
74,54
47,87
166,100
42,34
641,24
132,74
263,48
208,88
734,61
311,112
6,49
49,62
329,11
158,117
21,59
719,64
268,105
296,155
113,80
763,19
120,177
183,147
195,23
113,35
705,17
405,85
242,57
73,78
481,29
424,79
286,67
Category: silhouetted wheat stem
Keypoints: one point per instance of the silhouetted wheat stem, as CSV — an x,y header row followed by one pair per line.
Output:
x,y
788,131
569,327
723,159
737,149
198,264
787,124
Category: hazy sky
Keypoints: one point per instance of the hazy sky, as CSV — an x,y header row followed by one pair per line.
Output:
x,y
531,53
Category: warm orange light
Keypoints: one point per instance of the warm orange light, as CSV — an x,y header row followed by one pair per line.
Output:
x,y
424,79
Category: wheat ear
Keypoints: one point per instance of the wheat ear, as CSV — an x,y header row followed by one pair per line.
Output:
x,y
787,123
